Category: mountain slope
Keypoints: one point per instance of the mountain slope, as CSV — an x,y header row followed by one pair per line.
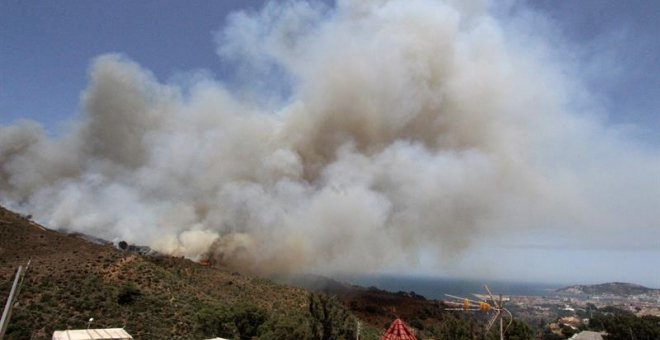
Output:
x,y
75,277
71,279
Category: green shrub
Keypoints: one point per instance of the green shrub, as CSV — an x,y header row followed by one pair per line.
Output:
x,y
287,326
215,322
247,319
128,294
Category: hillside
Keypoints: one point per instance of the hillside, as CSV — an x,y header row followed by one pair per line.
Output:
x,y
71,279
75,277
611,288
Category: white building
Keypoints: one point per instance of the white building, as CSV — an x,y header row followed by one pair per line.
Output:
x,y
92,334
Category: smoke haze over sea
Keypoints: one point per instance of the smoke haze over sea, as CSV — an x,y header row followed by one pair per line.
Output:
x,y
352,137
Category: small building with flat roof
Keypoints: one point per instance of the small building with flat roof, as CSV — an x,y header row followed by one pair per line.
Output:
x,y
92,334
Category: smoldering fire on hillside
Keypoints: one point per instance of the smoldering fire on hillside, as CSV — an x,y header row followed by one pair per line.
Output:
x,y
355,136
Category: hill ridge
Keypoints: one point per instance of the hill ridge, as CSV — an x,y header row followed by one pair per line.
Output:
x,y
613,288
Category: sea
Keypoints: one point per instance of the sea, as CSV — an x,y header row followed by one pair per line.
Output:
x,y
436,288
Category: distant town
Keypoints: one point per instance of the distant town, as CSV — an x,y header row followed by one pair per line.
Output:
x,y
573,307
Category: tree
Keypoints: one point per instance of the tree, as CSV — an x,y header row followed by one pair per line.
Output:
x,y
288,326
452,328
212,322
519,331
628,326
330,320
247,319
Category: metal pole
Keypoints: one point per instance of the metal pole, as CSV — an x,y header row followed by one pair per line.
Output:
x,y
501,327
501,330
6,314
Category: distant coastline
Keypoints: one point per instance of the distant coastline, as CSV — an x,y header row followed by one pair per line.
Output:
x,y
435,288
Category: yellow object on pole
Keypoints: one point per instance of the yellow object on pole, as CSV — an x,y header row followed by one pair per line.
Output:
x,y
466,304
484,307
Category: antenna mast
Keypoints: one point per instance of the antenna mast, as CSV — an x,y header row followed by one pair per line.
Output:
x,y
491,305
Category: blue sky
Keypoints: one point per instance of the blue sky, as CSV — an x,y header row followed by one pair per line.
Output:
x,y
46,49
624,35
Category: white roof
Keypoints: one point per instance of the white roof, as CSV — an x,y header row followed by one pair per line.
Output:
x,y
92,334
588,335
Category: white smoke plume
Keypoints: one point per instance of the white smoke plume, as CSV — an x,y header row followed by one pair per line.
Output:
x,y
354,136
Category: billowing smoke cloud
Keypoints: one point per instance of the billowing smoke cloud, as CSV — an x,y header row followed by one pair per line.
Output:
x,y
354,136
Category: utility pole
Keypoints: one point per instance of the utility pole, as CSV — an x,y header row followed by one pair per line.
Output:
x,y
6,314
